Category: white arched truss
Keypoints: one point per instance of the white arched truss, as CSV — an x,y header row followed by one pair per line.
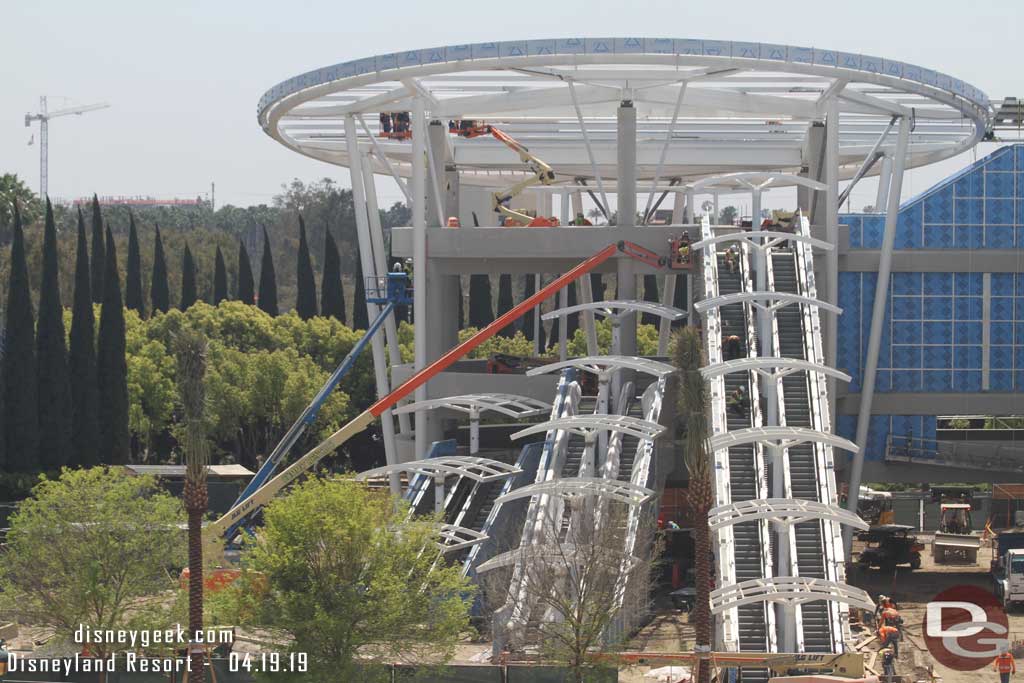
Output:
x,y
762,239
586,425
477,469
511,405
788,590
764,364
611,489
604,364
782,511
779,300
781,437
455,537
739,182
619,309
561,554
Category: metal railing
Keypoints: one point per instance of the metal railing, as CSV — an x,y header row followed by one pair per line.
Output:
x,y
962,454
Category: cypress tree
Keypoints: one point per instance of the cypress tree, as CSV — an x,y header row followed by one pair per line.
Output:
x,y
268,279
96,284
597,286
111,369
220,278
505,303
332,296
246,284
54,388
133,276
305,298
529,289
188,279
462,304
160,291
82,362
481,313
651,295
21,417
360,318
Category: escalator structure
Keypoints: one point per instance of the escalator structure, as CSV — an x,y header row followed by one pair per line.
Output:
x,y
746,480
803,471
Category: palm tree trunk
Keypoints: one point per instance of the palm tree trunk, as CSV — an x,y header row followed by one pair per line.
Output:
x,y
191,353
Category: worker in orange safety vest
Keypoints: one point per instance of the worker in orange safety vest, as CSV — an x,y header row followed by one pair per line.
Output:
x,y
1005,665
889,636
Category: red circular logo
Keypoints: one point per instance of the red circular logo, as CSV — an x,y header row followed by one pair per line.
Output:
x,y
965,627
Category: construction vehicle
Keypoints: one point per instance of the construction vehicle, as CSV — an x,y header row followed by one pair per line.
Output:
x,y
259,494
875,507
955,538
389,291
889,546
541,173
1008,566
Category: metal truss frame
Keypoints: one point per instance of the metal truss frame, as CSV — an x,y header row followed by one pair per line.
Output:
x,y
782,511
619,309
604,364
477,469
789,591
512,405
586,425
611,489
761,365
755,298
781,437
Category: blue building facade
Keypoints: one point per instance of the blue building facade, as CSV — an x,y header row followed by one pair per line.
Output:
x,y
955,332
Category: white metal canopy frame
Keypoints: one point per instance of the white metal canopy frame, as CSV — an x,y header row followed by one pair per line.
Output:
x,y
561,553
762,239
619,309
753,100
782,437
785,511
771,367
774,300
788,590
454,537
477,469
611,489
512,405
603,364
583,425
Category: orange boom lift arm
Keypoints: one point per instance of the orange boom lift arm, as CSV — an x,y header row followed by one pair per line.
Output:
x,y
266,493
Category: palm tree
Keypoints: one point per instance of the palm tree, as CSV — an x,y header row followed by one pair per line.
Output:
x,y
191,353
692,406
595,215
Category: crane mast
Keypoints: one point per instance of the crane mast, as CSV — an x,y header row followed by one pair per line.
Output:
x,y
43,116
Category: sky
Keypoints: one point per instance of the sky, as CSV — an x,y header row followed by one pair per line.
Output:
x,y
183,78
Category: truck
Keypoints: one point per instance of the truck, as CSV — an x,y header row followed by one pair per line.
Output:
x,y
1008,566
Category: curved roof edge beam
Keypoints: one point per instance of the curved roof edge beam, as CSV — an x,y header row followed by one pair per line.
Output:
x,y
454,537
612,489
763,365
780,298
788,590
620,308
782,511
763,239
606,364
781,437
751,180
585,425
512,405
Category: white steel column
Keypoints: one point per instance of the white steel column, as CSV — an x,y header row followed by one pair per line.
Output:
x,y
626,197
884,176
380,366
832,237
380,260
587,317
867,392
474,431
669,295
419,258
563,325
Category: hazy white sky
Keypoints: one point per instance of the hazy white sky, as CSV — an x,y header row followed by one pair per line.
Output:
x,y
184,77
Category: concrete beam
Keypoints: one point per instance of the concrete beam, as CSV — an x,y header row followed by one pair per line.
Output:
x,y
948,403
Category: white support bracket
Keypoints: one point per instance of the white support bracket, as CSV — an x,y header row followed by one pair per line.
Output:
x,y
782,511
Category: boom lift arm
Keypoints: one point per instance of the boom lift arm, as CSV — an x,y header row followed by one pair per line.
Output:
x,y
265,493
542,173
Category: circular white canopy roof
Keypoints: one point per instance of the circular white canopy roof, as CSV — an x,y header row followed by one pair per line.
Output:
x,y
735,105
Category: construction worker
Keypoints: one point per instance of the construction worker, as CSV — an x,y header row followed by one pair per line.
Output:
x,y
3,657
889,636
385,123
888,665
891,617
731,344
1005,665
736,401
732,258
581,219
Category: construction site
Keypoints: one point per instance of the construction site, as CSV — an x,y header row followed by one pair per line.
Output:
x,y
838,354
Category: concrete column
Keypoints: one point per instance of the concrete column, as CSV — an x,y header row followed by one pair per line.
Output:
x,y
587,317
563,208
832,237
577,202
418,188
867,394
380,366
626,273
669,294
439,492
690,209
380,261
810,201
